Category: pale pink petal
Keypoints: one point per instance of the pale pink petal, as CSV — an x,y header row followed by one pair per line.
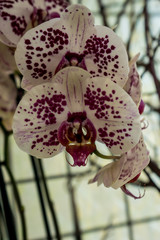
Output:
x,y
7,61
113,113
72,80
8,94
106,55
133,85
37,119
136,160
109,173
14,18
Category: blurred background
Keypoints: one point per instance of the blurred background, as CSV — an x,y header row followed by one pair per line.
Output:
x,y
47,199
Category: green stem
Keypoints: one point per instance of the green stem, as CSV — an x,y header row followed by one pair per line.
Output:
x,y
11,230
97,153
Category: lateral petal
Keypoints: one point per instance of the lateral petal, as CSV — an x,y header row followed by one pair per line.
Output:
x,y
136,160
106,55
37,119
113,113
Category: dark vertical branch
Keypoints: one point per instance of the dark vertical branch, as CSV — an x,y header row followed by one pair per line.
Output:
x,y
42,203
7,209
74,208
6,165
50,202
148,38
18,202
102,11
152,183
124,5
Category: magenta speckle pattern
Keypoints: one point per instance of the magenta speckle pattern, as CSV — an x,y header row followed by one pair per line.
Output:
x,y
137,160
18,21
107,106
38,117
37,58
103,54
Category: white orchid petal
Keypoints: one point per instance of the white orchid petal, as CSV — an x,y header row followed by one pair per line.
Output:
x,y
72,80
113,113
109,173
37,119
106,55
136,160
40,50
79,23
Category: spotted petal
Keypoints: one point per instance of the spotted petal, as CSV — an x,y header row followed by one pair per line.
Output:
x,y
37,119
44,47
106,55
120,172
136,160
113,113
14,18
133,85
109,173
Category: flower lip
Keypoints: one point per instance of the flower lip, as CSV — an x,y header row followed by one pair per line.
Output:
x,y
72,59
78,135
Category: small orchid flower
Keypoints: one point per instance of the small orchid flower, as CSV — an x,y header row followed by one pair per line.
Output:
x,y
71,40
17,16
73,111
126,169
7,100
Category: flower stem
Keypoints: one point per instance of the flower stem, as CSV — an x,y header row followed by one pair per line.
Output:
x,y
7,209
97,153
18,201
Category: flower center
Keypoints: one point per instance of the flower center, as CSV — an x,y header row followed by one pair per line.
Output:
x,y
78,135
71,59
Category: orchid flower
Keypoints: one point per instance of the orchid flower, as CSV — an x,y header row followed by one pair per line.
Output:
x,y
73,111
124,170
17,16
128,168
7,100
71,40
